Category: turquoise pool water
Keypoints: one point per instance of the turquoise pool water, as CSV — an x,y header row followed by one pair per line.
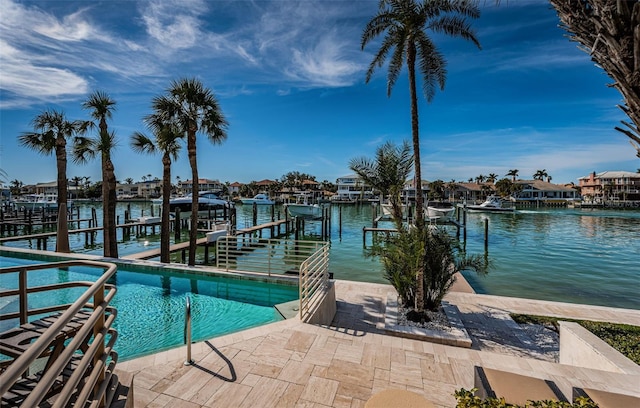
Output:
x,y
151,306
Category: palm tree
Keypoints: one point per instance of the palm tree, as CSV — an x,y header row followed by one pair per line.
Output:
x,y
406,23
513,173
166,141
387,174
102,107
492,177
51,131
540,174
16,186
192,108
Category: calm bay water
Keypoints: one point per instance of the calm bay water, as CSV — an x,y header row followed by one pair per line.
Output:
x,y
583,256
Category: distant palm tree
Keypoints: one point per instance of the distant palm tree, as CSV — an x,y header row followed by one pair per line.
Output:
x,y
492,177
128,180
452,186
480,179
407,23
51,131
513,173
540,174
192,108
101,108
166,141
16,186
387,173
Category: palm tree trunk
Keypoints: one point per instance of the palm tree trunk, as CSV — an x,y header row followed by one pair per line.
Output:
x,y
193,231
166,192
62,235
106,225
411,65
111,202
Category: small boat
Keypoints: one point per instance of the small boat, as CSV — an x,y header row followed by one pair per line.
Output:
x,y
207,200
218,230
39,201
440,210
491,204
260,199
301,208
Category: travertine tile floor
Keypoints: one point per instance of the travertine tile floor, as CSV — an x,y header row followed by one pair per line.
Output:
x,y
291,364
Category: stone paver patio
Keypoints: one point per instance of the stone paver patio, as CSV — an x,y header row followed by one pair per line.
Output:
x,y
291,364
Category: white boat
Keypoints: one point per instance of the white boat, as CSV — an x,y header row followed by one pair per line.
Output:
x,y
491,204
301,208
207,200
39,201
218,230
440,210
260,199
387,210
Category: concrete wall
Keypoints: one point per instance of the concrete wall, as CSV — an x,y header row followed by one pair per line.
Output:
x,y
579,347
324,312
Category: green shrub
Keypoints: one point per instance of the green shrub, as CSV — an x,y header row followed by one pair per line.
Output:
x,y
467,399
443,257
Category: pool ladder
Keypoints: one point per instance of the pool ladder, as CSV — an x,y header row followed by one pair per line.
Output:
x,y
187,331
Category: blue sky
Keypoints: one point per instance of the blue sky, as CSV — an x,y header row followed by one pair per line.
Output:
x,y
289,76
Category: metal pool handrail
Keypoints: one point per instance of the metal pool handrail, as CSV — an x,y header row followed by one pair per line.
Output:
x,y
98,361
187,330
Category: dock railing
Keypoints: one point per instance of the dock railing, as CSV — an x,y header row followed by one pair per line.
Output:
x,y
75,345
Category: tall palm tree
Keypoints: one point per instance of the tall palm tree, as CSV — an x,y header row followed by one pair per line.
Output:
x,y
387,174
51,131
407,23
193,109
513,173
492,177
166,141
101,108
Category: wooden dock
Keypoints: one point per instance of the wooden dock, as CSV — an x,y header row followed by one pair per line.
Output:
x,y
154,253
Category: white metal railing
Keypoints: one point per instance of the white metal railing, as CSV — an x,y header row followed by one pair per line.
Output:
x,y
307,259
314,282
76,343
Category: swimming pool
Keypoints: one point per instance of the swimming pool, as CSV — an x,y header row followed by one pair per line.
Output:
x,y
151,303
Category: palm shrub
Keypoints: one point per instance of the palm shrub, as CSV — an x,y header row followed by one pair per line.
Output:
x,y
443,258
440,257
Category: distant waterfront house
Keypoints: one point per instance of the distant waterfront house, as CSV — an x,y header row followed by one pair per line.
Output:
x,y
145,189
537,190
234,188
409,190
264,185
471,192
186,186
351,187
610,185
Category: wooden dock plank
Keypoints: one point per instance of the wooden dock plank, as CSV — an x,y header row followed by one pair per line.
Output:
x,y
153,253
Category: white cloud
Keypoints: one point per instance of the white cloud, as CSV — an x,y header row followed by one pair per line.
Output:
x,y
174,25
326,63
21,77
